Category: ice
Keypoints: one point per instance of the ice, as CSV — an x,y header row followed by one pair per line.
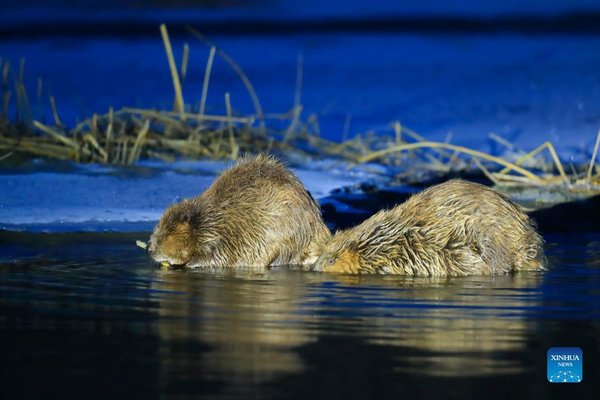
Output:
x,y
526,88
94,197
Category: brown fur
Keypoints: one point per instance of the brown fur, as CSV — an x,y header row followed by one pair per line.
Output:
x,y
256,214
455,228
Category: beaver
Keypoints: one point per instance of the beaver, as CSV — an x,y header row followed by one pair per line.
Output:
x,y
451,229
255,214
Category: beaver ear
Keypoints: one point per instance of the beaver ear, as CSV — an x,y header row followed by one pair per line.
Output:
x,y
187,217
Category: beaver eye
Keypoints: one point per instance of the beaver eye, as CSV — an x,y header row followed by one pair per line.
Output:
x,y
331,261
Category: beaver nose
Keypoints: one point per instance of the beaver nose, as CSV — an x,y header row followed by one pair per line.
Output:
x,y
151,249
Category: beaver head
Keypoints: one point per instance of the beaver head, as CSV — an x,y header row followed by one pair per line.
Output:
x,y
339,256
181,236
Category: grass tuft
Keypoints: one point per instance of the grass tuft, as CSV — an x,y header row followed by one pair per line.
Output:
x,y
127,135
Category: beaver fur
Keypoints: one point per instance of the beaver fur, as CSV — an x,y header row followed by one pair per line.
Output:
x,y
455,228
255,214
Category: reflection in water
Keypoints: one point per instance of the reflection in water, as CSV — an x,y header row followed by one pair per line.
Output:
x,y
250,320
254,322
79,311
451,327
460,327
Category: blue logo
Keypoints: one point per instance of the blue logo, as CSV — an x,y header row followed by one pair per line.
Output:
x,y
565,365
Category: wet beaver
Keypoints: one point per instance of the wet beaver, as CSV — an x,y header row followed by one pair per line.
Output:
x,y
455,228
255,214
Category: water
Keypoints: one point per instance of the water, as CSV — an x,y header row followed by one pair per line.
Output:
x,y
88,315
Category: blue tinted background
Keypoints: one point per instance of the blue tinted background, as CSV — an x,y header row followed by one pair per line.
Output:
x,y
453,70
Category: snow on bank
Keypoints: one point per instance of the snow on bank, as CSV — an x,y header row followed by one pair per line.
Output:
x,y
100,198
526,88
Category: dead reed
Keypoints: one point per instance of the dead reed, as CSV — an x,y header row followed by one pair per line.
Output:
x,y
127,135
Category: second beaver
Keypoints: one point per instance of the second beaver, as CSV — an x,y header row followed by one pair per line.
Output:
x,y
256,214
455,228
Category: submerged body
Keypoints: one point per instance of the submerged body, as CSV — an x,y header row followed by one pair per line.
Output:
x,y
256,214
455,228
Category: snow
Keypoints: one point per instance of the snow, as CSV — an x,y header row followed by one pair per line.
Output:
x,y
528,89
99,198
525,88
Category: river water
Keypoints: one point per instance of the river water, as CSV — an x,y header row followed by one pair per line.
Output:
x,y
86,315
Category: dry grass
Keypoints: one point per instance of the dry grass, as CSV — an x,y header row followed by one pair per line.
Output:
x,y
127,135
